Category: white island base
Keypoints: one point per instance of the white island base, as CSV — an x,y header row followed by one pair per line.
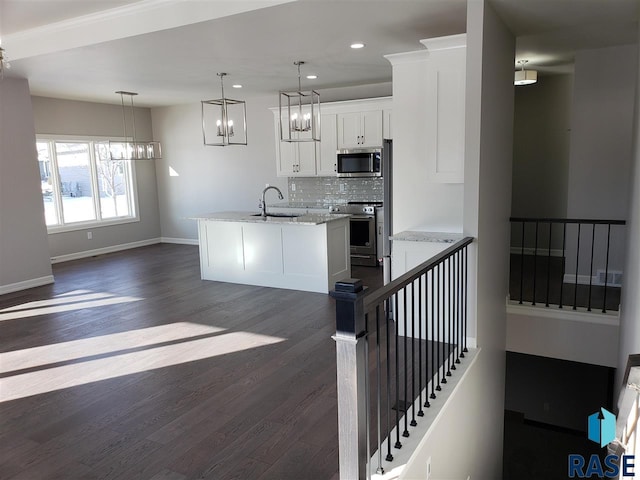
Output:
x,y
309,253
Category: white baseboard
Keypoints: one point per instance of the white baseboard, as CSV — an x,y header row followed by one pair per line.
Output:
x,y
102,251
34,282
611,318
542,252
179,241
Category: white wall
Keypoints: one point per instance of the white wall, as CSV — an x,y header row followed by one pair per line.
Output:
x,y
630,302
541,147
575,336
24,253
468,439
194,179
417,202
601,132
67,117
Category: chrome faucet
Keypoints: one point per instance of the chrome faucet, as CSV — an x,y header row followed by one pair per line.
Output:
x,y
263,204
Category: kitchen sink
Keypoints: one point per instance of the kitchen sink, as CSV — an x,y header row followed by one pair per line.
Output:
x,y
279,215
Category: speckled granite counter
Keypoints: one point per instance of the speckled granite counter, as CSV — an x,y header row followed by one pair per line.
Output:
x,y
433,237
249,217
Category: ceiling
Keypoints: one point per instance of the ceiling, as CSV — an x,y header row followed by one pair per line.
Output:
x,y
170,50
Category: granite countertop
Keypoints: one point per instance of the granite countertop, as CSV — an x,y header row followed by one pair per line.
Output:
x,y
434,237
250,217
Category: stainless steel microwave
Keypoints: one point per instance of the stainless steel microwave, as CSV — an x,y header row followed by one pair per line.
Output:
x,y
359,162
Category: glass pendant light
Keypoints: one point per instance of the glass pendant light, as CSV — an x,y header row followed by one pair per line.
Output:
x,y
130,148
224,121
299,114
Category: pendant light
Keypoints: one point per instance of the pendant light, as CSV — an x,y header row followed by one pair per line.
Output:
x,y
299,114
224,121
525,77
130,148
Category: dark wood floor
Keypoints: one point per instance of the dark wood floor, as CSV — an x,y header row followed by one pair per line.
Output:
x,y
265,409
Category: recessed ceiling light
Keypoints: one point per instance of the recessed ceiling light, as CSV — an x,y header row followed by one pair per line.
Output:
x,y
237,85
312,77
357,45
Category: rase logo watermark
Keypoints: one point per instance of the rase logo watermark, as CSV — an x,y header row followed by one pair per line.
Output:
x,y
601,429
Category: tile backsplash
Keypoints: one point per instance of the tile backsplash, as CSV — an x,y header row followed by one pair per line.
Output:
x,y
330,190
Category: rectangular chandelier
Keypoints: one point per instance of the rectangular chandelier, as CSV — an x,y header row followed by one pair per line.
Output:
x,y
299,114
224,121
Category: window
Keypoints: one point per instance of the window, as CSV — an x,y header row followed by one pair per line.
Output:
x,y
81,186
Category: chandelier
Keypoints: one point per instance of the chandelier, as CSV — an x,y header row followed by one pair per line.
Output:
x,y
229,118
299,114
130,148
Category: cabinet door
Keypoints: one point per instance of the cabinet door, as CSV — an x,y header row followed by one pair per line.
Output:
x,y
287,158
371,129
328,146
306,164
349,133
445,120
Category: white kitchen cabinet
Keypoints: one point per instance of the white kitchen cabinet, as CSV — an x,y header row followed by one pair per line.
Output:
x,y
348,124
296,159
360,129
445,108
387,130
326,161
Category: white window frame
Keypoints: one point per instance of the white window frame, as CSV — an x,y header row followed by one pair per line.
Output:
x,y
93,167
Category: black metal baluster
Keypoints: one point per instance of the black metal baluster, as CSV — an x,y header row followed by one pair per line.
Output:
x,y
420,412
406,373
564,245
427,341
389,457
522,265
379,470
549,264
398,444
413,357
575,286
606,271
438,304
593,240
535,264
458,303
466,285
450,318
443,315
434,345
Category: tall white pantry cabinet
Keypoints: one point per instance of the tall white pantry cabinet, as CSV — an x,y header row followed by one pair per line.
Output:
x,y
429,98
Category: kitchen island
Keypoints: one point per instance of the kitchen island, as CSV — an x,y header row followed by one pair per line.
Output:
x,y
307,252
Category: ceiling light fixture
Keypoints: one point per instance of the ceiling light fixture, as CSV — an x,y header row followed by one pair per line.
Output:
x,y
357,45
221,119
129,148
4,62
237,85
312,77
525,77
299,114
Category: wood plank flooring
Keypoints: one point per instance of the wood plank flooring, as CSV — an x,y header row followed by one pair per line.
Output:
x,y
122,375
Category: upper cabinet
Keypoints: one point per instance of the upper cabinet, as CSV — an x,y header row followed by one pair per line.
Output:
x,y
348,124
326,165
429,104
360,129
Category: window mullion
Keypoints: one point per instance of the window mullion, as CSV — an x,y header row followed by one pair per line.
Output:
x,y
94,181
57,192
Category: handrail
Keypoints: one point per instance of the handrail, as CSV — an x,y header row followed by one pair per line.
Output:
x,y
416,330
575,268
399,283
